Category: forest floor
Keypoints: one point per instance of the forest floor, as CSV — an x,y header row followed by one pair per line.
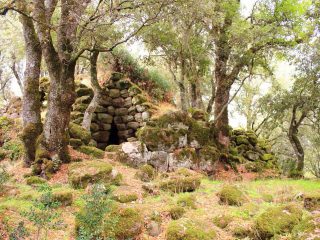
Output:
x,y
260,195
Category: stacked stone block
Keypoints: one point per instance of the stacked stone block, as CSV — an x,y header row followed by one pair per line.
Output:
x,y
123,109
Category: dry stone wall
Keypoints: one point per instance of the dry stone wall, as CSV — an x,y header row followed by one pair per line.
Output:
x,y
122,110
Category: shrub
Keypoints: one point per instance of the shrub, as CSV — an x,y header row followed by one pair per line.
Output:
x,y
89,218
4,177
42,213
185,229
231,195
14,149
277,220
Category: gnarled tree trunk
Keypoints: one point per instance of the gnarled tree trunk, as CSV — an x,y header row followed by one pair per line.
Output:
x,y
31,115
294,140
97,90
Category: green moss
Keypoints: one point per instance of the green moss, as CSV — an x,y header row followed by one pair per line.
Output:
x,y
82,173
146,173
199,114
186,154
159,138
185,229
242,139
231,195
176,212
75,143
125,198
267,197
65,197
305,228
113,148
267,157
78,132
34,180
187,200
124,223
209,153
92,151
222,221
277,220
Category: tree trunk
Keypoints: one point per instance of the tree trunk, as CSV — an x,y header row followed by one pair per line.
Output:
x,y
196,96
31,115
60,100
295,142
97,90
221,111
213,95
182,89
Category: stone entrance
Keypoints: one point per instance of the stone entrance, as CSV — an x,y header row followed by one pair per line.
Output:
x,y
121,112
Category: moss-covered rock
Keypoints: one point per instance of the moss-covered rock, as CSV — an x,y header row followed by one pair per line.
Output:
x,y
223,220
231,195
176,212
34,180
267,157
146,173
182,180
78,132
209,153
125,198
113,148
199,114
242,139
306,228
88,172
64,197
185,229
312,201
122,224
187,200
157,138
91,151
75,143
278,220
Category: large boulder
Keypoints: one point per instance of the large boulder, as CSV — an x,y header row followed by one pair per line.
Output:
x,y
89,172
278,220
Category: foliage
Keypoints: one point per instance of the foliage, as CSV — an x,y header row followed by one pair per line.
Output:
x,y
43,214
4,177
89,218
14,149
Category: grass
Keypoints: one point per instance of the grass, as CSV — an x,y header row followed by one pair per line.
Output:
x,y
207,205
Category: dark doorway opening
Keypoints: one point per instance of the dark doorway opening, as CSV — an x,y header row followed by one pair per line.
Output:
x,y
114,138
